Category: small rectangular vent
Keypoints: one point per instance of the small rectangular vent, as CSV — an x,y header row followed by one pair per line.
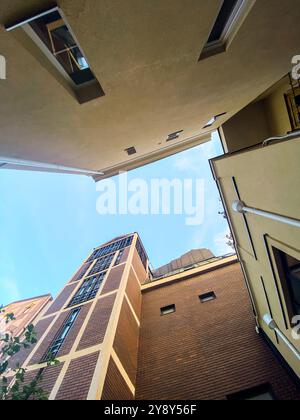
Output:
x,y
131,151
167,310
174,136
207,297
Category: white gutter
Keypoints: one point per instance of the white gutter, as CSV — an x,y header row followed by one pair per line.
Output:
x,y
240,207
269,321
45,166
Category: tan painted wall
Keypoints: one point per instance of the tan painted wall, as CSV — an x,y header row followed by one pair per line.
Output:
x,y
153,82
268,179
260,120
276,110
247,128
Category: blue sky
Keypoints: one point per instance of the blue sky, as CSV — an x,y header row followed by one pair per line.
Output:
x,y
49,223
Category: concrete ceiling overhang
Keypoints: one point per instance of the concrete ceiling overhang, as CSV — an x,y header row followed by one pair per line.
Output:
x,y
145,56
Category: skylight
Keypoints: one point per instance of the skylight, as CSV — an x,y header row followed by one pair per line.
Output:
x,y
227,23
55,38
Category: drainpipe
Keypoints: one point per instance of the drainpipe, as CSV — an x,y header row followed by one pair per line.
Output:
x,y
240,207
271,324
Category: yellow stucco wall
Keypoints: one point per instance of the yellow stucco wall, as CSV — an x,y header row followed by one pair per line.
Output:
x,y
267,117
267,179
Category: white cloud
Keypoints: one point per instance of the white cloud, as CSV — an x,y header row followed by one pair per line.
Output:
x,y
220,242
185,163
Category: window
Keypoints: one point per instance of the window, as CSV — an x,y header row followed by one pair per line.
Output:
x,y
289,272
61,336
167,310
226,25
142,253
51,32
102,264
207,297
114,246
293,105
260,393
88,289
119,257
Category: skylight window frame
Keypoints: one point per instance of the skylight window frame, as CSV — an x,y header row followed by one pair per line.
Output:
x,y
52,56
85,91
235,21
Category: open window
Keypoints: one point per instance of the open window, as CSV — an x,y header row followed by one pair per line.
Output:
x,y
285,265
53,35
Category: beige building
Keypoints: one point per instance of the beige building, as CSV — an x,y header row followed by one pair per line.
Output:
x,y
25,313
110,85
259,183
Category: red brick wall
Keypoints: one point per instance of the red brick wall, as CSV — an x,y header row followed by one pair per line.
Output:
x,y
126,341
138,267
96,328
49,377
77,381
62,298
44,345
113,280
133,291
20,357
115,388
125,255
81,272
204,350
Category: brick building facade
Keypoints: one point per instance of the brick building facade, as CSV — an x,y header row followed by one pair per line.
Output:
x,y
118,333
